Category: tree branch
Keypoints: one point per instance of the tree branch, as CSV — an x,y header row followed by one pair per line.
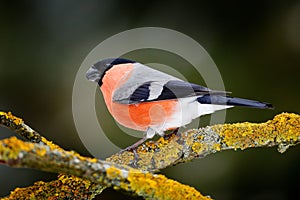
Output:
x,y
17,153
283,130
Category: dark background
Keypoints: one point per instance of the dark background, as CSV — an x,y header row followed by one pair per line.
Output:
x,y
255,44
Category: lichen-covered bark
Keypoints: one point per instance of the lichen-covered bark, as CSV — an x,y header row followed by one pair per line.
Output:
x,y
16,124
283,130
16,153
65,187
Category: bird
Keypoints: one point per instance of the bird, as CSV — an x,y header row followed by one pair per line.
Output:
x,y
153,102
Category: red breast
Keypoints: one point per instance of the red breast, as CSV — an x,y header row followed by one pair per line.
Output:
x,y
135,116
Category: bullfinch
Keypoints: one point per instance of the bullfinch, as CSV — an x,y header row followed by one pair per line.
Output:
x,y
144,99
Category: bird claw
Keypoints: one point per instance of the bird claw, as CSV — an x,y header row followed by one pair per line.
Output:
x,y
175,132
136,156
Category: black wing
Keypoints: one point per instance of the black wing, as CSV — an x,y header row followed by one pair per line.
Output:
x,y
232,101
171,90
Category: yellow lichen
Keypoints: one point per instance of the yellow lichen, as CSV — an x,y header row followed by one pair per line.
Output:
x,y
66,187
162,142
283,128
113,173
11,148
150,145
125,186
159,187
198,147
217,147
50,144
153,145
56,147
16,120
200,137
41,151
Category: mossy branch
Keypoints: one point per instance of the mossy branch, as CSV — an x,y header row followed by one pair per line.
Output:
x,y
16,153
283,130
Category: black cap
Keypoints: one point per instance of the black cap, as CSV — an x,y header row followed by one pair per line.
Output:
x,y
97,71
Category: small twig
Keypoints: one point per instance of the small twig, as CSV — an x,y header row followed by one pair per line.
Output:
x,y
17,125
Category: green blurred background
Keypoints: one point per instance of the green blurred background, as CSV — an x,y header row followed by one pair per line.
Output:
x,y
255,44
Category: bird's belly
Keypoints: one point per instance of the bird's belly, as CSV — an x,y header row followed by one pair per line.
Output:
x,y
140,116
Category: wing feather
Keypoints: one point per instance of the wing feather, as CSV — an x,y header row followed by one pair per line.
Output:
x,y
162,86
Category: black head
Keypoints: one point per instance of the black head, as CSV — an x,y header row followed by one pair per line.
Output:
x,y
97,71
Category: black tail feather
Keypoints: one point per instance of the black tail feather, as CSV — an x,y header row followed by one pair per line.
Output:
x,y
232,101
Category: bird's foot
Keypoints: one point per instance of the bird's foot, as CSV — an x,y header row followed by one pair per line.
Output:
x,y
133,148
168,135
